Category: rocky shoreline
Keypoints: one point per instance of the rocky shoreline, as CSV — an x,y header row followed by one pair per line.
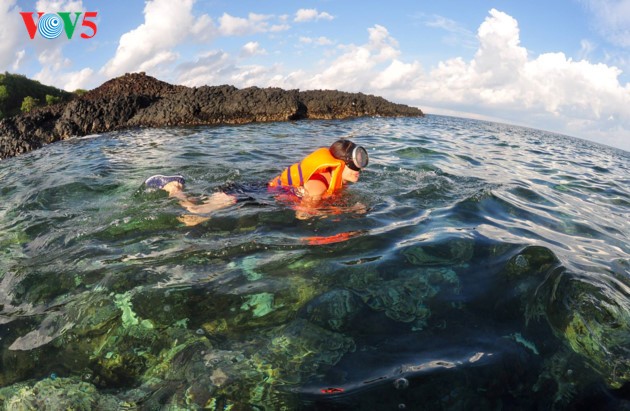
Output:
x,y
138,100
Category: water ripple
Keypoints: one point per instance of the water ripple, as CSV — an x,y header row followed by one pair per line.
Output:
x,y
485,255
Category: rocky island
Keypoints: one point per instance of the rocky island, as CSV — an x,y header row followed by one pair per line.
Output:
x,y
138,100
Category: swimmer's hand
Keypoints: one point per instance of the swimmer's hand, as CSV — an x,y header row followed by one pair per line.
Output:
x,y
192,220
304,212
215,202
358,208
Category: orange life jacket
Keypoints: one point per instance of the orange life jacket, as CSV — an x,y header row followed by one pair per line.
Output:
x,y
317,162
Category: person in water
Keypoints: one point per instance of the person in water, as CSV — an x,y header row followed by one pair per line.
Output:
x,y
317,176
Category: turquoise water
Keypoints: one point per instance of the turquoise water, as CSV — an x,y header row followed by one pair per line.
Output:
x,y
490,270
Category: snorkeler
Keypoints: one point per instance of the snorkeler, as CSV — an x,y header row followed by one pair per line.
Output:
x,y
318,176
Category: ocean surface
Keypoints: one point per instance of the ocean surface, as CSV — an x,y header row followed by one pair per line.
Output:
x,y
474,266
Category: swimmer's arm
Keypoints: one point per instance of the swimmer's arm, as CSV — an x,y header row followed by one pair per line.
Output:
x,y
215,202
313,192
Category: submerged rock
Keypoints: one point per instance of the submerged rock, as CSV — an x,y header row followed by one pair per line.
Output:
x,y
450,252
334,310
593,322
138,100
57,394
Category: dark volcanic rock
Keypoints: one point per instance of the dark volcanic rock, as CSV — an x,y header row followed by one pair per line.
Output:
x,y
137,100
331,104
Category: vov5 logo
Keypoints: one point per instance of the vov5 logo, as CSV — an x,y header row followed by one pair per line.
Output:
x,y
50,25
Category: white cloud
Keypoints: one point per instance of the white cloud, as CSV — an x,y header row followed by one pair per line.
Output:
x,y
79,79
305,15
500,56
612,19
53,59
354,69
586,49
211,68
157,60
10,30
250,75
69,81
53,6
203,29
319,41
53,72
397,75
457,34
254,23
382,45
252,48
19,56
166,24
217,67
279,27
549,91
238,26
553,90
152,46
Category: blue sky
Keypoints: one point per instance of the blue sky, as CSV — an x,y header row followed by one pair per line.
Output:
x,y
561,65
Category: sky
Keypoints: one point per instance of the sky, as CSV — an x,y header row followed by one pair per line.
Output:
x,y
561,65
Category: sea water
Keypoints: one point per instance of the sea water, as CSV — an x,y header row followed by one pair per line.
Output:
x,y
474,265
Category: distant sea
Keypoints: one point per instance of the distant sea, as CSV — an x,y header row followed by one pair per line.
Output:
x,y
487,267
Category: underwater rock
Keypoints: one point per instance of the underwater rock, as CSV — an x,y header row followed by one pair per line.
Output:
x,y
592,320
447,252
562,375
524,271
65,337
404,297
333,310
59,394
531,261
261,308
138,100
256,371
301,348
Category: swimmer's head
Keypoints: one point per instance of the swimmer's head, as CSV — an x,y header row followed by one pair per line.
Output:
x,y
355,157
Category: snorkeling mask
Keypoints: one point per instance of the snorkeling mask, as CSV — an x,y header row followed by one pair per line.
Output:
x,y
357,158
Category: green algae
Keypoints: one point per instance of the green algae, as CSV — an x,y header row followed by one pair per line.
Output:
x,y
593,323
252,311
301,347
123,302
249,267
518,337
59,394
260,304
129,317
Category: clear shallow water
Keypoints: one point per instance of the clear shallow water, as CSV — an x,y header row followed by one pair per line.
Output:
x,y
490,271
